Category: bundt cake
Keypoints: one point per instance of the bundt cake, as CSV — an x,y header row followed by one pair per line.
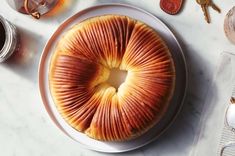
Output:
x,y
81,65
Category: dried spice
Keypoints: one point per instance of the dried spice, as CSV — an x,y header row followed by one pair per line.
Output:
x,y
232,100
204,5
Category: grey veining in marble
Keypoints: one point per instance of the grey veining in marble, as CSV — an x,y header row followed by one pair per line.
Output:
x,y
25,126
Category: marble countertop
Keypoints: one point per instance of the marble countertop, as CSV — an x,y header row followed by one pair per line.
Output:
x,y
27,130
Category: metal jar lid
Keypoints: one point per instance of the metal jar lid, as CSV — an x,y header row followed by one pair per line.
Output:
x,y
11,39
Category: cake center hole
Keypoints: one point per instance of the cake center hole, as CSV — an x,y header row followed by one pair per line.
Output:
x,y
117,77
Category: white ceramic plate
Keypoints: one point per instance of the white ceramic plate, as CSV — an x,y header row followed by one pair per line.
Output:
x,y
176,102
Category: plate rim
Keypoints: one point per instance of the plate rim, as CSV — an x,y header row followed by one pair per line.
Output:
x,y
67,20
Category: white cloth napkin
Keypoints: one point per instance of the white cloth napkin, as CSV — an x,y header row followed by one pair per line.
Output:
x,y
211,135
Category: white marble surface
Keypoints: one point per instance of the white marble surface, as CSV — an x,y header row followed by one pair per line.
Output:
x,y
25,126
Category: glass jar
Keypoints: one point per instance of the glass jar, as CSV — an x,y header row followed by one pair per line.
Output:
x,y
9,39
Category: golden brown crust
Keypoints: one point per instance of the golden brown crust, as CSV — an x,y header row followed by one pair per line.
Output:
x,y
80,68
